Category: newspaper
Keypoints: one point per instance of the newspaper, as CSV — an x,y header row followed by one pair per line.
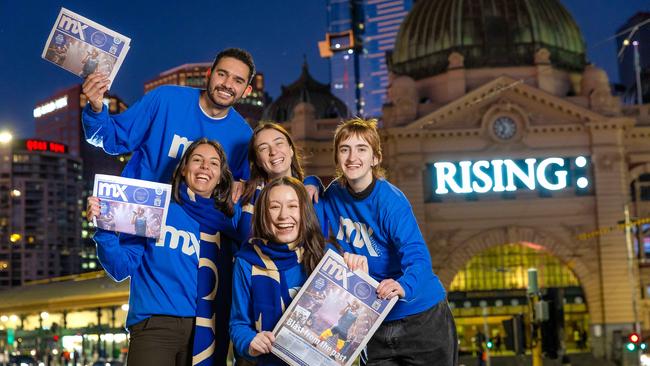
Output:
x,y
332,318
131,206
82,46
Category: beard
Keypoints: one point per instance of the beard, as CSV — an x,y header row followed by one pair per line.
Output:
x,y
210,93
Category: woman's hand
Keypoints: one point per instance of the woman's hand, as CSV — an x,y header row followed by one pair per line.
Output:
x,y
92,209
390,288
355,261
312,192
237,190
261,344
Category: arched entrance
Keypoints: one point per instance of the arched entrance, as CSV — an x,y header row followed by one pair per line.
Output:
x,y
490,290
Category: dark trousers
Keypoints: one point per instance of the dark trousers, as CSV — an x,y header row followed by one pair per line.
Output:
x,y
428,338
162,341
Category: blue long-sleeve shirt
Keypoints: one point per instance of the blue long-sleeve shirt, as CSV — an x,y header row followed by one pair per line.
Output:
x,y
383,228
160,126
163,274
242,320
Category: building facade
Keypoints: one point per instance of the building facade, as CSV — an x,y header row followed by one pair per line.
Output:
x,y
58,118
194,75
78,318
360,33
39,211
514,154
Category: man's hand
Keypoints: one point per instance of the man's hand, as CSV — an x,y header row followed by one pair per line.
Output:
x,y
355,261
237,190
261,344
94,87
390,288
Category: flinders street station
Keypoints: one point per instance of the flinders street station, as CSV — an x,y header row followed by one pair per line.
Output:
x,y
514,154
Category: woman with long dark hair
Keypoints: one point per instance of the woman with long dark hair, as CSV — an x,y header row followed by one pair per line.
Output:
x,y
180,288
287,245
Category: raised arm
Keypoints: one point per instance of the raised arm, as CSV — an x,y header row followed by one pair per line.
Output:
x,y
120,133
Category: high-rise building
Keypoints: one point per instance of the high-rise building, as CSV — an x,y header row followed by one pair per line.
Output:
x,y
360,33
634,39
58,119
40,235
194,75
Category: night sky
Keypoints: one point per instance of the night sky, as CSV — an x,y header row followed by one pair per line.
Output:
x,y
165,34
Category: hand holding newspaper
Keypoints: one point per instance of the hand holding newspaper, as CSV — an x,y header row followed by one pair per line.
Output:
x,y
82,46
332,318
131,206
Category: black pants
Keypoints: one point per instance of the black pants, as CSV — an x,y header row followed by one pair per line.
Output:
x,y
162,341
428,338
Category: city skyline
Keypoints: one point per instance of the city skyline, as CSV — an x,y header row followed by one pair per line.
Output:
x,y
279,43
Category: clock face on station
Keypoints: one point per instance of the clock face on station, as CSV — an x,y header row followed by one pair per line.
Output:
x,y
504,128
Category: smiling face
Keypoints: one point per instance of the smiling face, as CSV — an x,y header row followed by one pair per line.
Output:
x,y
274,154
284,213
228,82
202,172
356,160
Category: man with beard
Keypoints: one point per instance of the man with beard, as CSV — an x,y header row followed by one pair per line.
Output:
x,y
158,127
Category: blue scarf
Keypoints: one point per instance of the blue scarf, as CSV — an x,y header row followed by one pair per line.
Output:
x,y
269,288
214,282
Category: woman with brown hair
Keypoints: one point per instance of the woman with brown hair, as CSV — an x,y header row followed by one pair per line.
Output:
x,y
287,245
184,278
271,154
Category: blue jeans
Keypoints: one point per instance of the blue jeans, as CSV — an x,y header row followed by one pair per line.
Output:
x,y
428,338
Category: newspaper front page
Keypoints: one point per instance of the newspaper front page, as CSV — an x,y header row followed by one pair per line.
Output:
x,y
82,46
131,206
332,318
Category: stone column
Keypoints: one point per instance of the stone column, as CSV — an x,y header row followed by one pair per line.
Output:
x,y
612,194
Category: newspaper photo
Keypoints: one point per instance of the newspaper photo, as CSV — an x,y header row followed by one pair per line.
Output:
x,y
82,46
332,318
131,206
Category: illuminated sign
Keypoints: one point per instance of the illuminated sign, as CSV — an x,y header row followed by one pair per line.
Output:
x,y
51,106
507,175
40,145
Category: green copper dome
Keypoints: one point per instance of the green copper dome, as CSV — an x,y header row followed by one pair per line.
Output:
x,y
488,33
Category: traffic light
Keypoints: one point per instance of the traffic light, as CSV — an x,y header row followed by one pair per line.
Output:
x,y
489,344
633,342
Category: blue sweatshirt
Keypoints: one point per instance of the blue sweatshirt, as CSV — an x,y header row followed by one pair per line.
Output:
x,y
160,126
383,228
163,274
242,320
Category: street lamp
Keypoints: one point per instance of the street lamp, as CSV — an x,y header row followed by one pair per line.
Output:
x,y
5,137
637,71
